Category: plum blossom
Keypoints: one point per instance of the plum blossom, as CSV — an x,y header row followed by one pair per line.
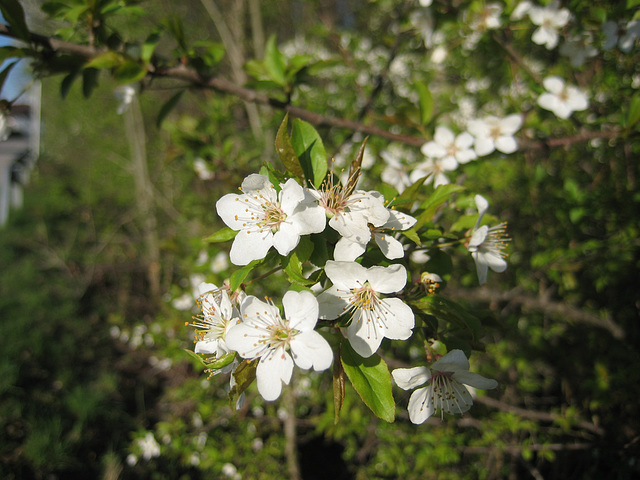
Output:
x,y
562,99
487,244
357,291
265,335
446,389
218,317
268,219
351,211
447,146
549,19
348,250
578,49
434,170
616,34
394,172
4,127
125,94
493,133
148,446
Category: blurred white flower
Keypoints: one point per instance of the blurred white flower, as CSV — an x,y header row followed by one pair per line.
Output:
x,y
562,99
4,127
202,169
448,147
434,170
521,10
394,172
578,48
126,94
493,133
148,446
549,19
623,36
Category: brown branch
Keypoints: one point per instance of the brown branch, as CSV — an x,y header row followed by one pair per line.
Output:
x,y
517,449
543,304
225,86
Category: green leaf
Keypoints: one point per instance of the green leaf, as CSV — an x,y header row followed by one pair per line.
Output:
x,y
11,52
310,151
431,204
320,253
425,100
410,193
275,62
451,313
164,111
634,111
292,266
89,81
129,72
286,151
149,46
66,83
240,275
106,60
13,14
5,73
371,379
223,235
412,235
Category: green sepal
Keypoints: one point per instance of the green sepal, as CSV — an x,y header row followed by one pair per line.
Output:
x,y
244,374
223,235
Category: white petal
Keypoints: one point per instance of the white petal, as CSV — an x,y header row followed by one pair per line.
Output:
x,y
443,136
453,361
301,309
363,342
346,275
205,287
290,196
484,146
419,407
464,140
255,182
399,221
229,209
494,261
389,246
511,124
207,346
481,268
332,303
250,245
410,378
401,323
482,204
242,338
389,279
506,144
347,250
286,238
433,150
310,349
272,371
554,84
474,380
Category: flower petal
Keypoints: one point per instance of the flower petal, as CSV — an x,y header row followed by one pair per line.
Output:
x,y
453,361
347,250
310,349
389,279
475,380
420,408
410,378
272,370
249,245
301,309
401,322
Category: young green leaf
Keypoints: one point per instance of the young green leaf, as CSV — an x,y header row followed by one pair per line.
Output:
x,y
425,100
13,14
371,379
275,62
223,235
310,151
431,204
286,151
338,385
166,109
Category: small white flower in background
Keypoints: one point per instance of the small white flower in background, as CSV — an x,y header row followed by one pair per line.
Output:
x,y
623,36
425,3
266,218
447,146
349,249
126,94
578,48
395,171
132,460
218,317
434,170
549,19
220,262
202,169
148,446
521,10
357,291
562,99
488,18
446,390
487,244
265,335
229,470
493,133
183,302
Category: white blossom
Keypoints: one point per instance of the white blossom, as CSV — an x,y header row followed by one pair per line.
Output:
x,y
447,146
578,49
125,94
148,446
487,244
623,36
349,249
446,389
549,19
434,170
562,99
356,291
521,10
202,169
265,335
268,219
493,133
